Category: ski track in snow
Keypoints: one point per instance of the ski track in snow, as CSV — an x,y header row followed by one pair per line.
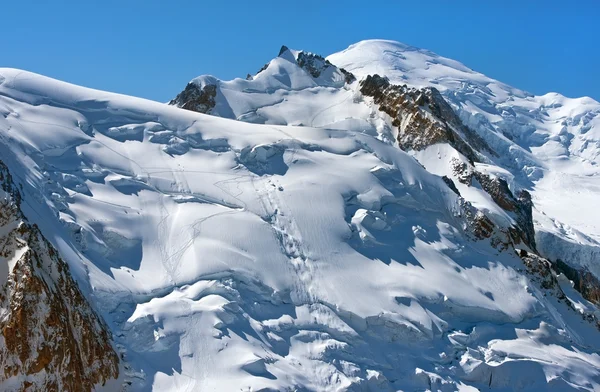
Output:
x,y
289,236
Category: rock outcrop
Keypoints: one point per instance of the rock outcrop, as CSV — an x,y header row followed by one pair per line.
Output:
x,y
478,224
52,340
423,118
315,65
583,281
196,98
519,207
545,273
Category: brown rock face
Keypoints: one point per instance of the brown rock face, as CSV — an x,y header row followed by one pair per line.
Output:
x,y
52,340
196,99
423,117
584,281
476,222
519,207
544,272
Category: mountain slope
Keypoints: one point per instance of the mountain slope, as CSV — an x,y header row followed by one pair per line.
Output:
x,y
227,255
550,143
547,145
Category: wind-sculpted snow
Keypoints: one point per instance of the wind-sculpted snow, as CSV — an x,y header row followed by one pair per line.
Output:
x,y
226,255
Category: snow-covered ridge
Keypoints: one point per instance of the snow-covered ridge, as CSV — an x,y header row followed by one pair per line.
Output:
x,y
226,255
548,145
294,88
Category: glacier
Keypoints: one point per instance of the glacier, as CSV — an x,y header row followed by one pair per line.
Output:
x,y
283,241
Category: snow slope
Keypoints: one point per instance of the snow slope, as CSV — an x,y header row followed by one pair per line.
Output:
x,y
285,93
227,255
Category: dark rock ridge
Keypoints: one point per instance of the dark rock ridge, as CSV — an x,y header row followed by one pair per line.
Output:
x,y
349,77
196,98
451,184
423,118
519,207
544,272
52,340
259,71
315,65
583,280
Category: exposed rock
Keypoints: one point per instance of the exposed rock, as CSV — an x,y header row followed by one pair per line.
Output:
x,y
52,340
451,184
584,281
262,68
544,273
315,64
519,207
349,76
541,270
196,99
477,223
423,118
283,50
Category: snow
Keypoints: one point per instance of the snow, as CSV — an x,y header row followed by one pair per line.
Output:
x,y
286,94
261,254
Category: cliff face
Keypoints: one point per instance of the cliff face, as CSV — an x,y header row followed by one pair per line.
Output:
x,y
519,207
52,340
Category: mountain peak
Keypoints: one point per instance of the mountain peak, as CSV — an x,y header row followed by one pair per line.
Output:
x,y
283,50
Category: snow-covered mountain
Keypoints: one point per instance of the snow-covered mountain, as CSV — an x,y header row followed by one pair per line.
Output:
x,y
319,226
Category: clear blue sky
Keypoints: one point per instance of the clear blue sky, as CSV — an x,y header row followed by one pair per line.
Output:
x,y
153,48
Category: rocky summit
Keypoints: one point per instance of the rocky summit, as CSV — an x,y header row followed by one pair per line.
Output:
x,y
379,219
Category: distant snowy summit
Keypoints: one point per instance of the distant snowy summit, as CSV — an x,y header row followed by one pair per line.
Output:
x,y
290,71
